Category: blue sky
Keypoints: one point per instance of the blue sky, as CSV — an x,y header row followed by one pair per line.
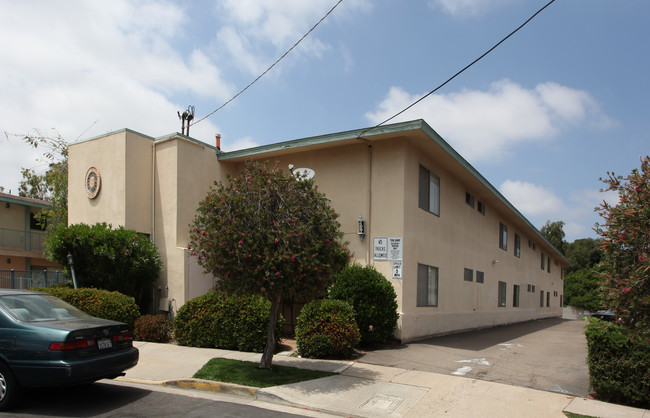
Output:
x,y
542,117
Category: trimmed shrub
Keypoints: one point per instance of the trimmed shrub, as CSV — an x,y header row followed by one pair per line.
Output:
x,y
153,328
326,328
96,302
373,298
222,320
618,363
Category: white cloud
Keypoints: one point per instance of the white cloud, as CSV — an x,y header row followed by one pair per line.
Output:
x,y
487,125
532,200
257,32
465,8
540,204
237,144
80,64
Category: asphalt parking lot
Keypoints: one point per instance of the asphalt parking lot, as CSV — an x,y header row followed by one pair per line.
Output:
x,y
547,354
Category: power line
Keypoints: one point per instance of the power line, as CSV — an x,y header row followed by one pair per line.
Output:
x,y
458,73
272,65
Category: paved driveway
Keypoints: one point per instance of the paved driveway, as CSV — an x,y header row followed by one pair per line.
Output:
x,y
548,354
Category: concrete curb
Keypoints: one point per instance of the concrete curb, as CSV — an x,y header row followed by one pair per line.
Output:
x,y
249,392
200,384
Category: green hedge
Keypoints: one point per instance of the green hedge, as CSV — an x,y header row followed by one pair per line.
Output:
x,y
619,363
326,328
222,320
373,298
99,303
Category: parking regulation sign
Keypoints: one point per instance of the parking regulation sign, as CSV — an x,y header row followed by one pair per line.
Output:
x,y
397,269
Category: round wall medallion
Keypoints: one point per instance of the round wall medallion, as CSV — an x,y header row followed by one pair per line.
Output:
x,y
93,182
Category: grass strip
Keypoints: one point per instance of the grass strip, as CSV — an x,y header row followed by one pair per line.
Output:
x,y
249,374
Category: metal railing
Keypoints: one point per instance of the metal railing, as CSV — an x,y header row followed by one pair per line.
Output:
x,y
13,238
24,279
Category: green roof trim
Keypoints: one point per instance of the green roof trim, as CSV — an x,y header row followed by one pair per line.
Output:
x,y
25,201
323,139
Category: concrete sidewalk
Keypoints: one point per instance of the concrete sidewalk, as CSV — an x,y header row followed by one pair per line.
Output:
x,y
367,390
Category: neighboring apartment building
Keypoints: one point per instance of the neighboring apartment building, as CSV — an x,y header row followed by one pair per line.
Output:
x,y
22,263
458,254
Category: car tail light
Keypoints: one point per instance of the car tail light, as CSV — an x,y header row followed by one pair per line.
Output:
x,y
127,336
72,345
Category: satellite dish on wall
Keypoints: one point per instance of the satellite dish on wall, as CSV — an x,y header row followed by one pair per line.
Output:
x,y
304,173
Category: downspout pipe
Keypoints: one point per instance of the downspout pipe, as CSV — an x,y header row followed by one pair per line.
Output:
x,y
369,203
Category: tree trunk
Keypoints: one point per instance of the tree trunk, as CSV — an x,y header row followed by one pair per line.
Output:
x,y
269,350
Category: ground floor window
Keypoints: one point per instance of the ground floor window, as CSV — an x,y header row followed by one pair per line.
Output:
x,y
515,296
541,298
427,285
502,294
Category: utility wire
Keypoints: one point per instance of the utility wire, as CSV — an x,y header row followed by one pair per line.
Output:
x,y
458,73
272,65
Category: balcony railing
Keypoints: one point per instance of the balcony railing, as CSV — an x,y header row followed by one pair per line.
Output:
x,y
15,239
24,279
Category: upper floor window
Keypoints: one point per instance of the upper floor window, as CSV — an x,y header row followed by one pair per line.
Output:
x,y
542,262
503,237
429,191
469,275
35,223
517,245
481,208
469,199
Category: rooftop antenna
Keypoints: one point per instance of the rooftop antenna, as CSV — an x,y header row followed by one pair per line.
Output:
x,y
187,115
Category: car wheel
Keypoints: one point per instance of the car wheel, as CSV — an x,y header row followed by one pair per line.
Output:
x,y
10,389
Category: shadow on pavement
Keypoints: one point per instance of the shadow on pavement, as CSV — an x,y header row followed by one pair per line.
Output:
x,y
477,340
77,401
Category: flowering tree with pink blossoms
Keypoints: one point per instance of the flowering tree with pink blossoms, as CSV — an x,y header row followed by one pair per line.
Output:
x,y
626,246
267,232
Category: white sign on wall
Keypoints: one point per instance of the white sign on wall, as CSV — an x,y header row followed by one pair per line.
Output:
x,y
397,269
395,248
387,248
380,248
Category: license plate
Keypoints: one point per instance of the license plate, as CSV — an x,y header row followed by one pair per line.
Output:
x,y
104,343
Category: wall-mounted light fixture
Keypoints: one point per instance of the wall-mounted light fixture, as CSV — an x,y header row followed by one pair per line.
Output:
x,y
495,261
361,230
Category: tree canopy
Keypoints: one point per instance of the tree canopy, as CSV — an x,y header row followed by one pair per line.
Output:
x,y
52,185
267,232
626,246
583,254
554,233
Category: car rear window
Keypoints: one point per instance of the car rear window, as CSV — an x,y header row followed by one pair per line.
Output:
x,y
36,308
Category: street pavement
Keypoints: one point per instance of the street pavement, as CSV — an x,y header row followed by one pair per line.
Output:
x,y
363,389
548,354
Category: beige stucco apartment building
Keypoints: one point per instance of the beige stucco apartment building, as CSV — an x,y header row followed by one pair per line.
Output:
x,y
459,255
22,262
